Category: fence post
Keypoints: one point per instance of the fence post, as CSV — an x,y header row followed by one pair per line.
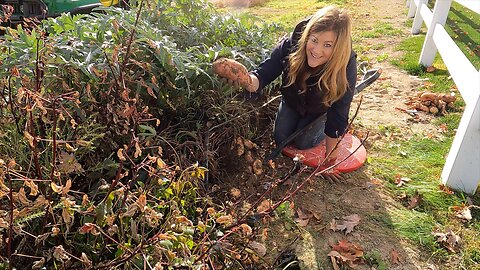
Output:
x,y
462,167
418,20
411,8
429,50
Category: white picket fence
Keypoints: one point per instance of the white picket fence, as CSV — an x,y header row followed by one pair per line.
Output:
x,y
462,167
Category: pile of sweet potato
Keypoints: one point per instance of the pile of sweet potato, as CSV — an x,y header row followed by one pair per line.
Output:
x,y
434,103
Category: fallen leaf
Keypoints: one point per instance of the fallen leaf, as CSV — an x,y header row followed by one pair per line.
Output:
x,y
67,187
318,216
3,223
348,224
332,255
463,212
303,217
138,150
448,239
346,253
29,138
131,210
443,128
67,215
248,157
374,183
445,189
431,69
259,248
246,229
70,148
399,180
394,257
415,200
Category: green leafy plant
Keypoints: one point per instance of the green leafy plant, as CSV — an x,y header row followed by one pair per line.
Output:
x,y
99,118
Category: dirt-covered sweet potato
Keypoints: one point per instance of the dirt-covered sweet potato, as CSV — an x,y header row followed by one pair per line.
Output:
x,y
449,97
232,70
428,96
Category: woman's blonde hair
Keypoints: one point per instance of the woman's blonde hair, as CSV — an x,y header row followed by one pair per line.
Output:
x,y
334,77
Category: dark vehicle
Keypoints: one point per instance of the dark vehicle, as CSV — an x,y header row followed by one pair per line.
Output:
x,y
45,8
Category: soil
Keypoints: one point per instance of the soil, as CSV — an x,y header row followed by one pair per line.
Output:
x,y
359,193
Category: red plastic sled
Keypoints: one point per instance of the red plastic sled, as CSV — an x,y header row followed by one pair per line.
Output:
x,y
314,156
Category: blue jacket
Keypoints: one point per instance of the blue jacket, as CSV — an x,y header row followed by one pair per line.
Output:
x,y
311,101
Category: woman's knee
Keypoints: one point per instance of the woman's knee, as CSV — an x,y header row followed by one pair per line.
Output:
x,y
309,141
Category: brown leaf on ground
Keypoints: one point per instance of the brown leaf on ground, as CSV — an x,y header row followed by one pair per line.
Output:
x,y
304,217
346,253
374,183
445,189
463,212
258,247
448,240
415,200
348,224
443,128
431,69
394,257
400,181
317,216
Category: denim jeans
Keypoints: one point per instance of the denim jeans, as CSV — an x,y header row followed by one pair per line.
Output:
x,y
288,121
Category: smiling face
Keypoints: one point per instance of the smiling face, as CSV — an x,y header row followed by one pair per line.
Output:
x,y
319,48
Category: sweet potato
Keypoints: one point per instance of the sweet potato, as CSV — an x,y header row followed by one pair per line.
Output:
x,y
449,97
429,96
437,96
232,70
422,107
